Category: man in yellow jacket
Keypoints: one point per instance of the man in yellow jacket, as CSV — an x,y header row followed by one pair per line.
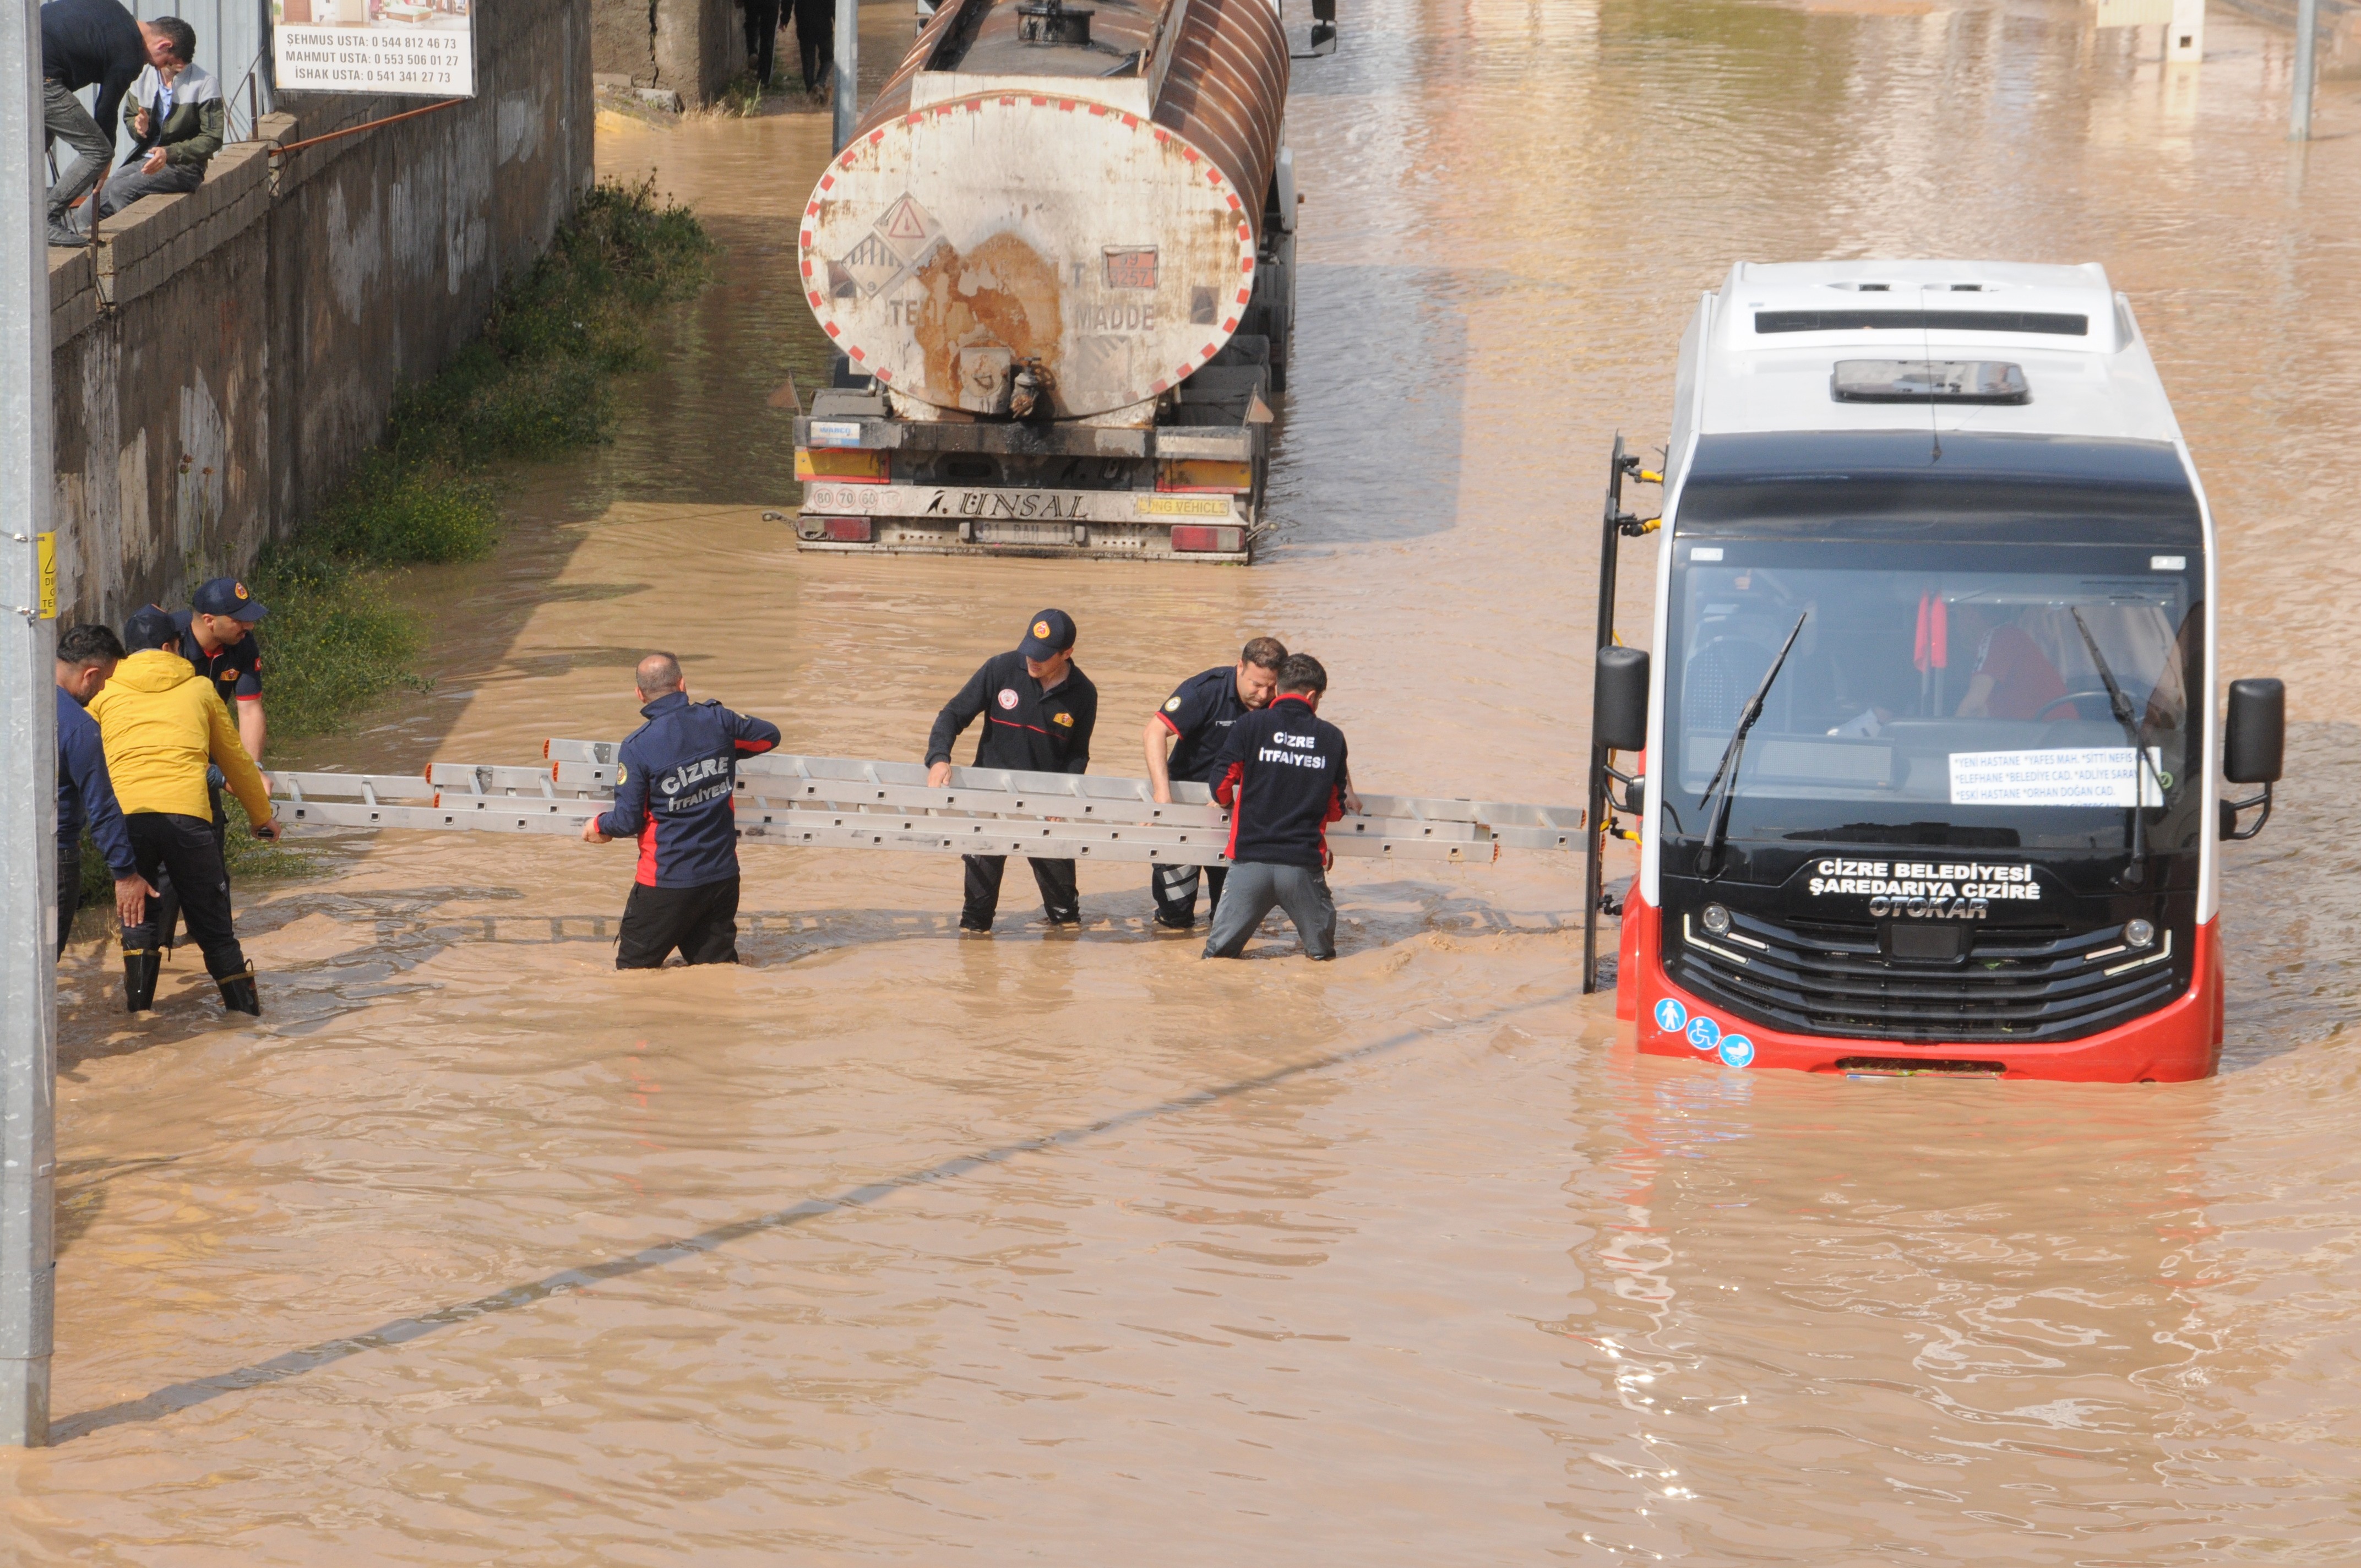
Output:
x,y
161,723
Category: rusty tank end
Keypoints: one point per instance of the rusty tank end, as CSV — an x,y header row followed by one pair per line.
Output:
x,y
1072,224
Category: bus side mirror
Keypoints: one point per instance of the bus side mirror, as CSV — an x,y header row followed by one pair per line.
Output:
x,y
1618,699
2257,738
2253,750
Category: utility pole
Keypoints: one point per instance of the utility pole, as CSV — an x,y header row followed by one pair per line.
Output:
x,y
848,69
28,795
2307,32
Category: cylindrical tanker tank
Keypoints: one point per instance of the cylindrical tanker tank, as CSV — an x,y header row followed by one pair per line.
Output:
x,y
1052,209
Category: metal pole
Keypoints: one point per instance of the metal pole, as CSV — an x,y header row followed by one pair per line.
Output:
x,y
2307,30
1594,871
848,69
28,799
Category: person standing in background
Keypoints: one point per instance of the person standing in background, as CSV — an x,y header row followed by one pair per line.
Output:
x,y
816,39
86,657
762,38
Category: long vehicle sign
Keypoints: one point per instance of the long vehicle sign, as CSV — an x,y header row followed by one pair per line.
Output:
x,y
953,503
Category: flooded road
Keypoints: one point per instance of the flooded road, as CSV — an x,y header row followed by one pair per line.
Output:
x,y
891,1248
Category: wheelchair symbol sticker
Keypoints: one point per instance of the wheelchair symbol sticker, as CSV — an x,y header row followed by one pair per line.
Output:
x,y
1737,1050
1703,1032
1671,1017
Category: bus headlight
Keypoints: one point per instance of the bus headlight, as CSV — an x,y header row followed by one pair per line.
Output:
x,y
2139,934
1715,920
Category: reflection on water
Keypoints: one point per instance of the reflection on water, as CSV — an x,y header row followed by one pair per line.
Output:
x,y
893,1246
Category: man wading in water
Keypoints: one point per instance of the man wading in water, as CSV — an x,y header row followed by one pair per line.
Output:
x,y
1282,775
673,784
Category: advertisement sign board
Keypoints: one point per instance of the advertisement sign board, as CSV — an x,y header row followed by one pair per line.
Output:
x,y
426,46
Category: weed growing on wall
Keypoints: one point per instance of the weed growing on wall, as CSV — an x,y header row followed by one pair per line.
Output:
x,y
533,386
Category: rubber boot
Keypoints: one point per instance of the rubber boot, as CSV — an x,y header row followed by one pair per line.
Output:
x,y
140,965
238,994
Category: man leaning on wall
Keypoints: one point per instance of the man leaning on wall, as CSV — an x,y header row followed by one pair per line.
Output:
x,y
91,43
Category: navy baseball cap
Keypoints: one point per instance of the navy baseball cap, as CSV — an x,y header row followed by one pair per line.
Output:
x,y
1050,633
226,596
150,628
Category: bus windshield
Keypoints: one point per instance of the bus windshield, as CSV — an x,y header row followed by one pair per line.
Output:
x,y
1937,693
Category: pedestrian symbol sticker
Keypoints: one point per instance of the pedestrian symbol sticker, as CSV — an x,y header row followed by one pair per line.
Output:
x,y
1703,1032
1671,1017
1737,1050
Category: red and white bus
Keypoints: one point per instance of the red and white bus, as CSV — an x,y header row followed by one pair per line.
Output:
x,y
1921,778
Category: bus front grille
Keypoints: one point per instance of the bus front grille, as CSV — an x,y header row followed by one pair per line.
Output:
x,y
1834,981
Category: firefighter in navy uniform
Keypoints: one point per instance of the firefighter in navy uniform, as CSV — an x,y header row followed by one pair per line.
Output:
x,y
1039,709
1187,733
1284,778
674,786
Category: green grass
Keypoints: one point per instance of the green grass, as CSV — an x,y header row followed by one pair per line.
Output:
x,y
536,385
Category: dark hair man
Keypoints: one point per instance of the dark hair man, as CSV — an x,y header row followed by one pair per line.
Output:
x,y
87,43
86,657
1283,777
217,640
178,121
674,793
1038,710
1182,740
162,724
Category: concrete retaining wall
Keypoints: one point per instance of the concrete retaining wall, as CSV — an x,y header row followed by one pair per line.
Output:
x,y
693,46
221,357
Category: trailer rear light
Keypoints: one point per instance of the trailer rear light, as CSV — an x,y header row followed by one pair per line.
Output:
x,y
836,529
1205,475
851,465
1192,536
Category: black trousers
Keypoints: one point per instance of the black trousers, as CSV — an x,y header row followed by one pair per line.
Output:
x,y
1060,902
816,39
185,849
1175,888
761,35
164,909
69,891
702,922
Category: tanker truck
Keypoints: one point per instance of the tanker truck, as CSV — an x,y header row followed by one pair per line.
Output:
x,y
1055,260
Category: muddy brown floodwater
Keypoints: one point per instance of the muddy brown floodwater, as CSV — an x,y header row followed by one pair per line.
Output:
x,y
893,1247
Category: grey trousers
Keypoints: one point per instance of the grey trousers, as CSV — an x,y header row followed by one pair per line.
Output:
x,y
64,119
1252,890
128,185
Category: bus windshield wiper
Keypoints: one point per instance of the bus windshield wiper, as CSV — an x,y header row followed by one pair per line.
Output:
x,y
2136,870
1717,794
